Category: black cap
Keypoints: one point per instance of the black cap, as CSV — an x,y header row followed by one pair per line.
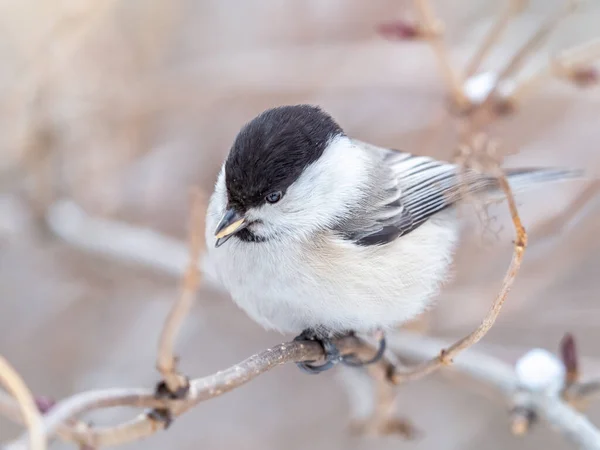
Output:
x,y
272,150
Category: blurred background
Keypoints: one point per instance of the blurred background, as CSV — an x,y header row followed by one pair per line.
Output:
x,y
122,105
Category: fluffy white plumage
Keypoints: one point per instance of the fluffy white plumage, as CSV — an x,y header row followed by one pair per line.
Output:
x,y
311,278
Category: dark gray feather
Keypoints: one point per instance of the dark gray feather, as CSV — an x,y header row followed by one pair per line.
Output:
x,y
408,190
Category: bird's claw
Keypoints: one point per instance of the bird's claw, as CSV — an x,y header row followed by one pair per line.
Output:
x,y
353,361
162,391
333,356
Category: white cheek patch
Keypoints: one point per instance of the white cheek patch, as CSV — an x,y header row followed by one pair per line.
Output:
x,y
322,195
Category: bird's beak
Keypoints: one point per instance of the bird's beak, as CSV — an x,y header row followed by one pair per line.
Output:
x,y
231,223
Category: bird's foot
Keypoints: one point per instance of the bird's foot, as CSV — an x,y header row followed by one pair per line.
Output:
x,y
162,391
352,360
333,355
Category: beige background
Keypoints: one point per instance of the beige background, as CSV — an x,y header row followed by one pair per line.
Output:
x,y
122,105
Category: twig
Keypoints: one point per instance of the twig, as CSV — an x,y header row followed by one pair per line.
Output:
x,y
562,65
588,51
445,356
201,389
383,420
530,45
31,416
492,37
374,408
453,81
9,408
580,394
557,223
166,361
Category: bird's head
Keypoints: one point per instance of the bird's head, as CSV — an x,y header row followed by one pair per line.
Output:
x,y
291,171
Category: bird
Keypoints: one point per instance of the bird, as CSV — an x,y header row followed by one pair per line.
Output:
x,y
316,233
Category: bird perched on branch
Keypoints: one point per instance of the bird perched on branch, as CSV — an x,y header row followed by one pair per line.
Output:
x,y
316,233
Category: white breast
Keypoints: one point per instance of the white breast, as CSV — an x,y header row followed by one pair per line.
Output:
x,y
292,285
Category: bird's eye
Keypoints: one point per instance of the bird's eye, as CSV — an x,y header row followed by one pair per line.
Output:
x,y
274,197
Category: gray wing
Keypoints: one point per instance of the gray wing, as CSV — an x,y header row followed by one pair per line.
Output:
x,y
407,191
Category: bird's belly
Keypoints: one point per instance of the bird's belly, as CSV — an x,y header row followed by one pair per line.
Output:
x,y
278,292
289,291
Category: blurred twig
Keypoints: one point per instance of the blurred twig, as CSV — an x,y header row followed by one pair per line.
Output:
x,y
452,79
513,7
117,240
517,61
201,389
558,222
166,361
383,420
563,65
31,416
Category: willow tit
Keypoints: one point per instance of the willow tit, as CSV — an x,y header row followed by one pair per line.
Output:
x,y
314,232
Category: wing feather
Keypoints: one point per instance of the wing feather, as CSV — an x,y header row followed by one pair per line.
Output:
x,y
416,188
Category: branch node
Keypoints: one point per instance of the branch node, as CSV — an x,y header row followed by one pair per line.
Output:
x,y
164,391
445,357
522,419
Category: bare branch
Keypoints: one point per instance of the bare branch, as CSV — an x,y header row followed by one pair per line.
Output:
x,y
201,389
557,223
31,416
580,394
514,7
565,65
452,80
10,408
166,361
118,240
531,45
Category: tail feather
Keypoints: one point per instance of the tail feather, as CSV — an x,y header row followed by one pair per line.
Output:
x,y
524,178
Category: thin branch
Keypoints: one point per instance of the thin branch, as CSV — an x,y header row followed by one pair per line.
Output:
x,y
563,65
530,45
588,51
445,356
9,408
201,389
117,240
453,81
383,420
580,394
557,223
31,415
492,37
166,361
572,425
